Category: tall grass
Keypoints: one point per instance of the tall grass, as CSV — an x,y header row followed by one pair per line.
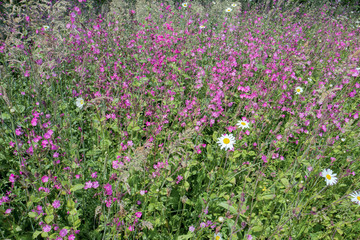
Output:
x,y
113,126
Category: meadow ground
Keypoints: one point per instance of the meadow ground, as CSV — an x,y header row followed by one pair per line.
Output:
x,y
179,121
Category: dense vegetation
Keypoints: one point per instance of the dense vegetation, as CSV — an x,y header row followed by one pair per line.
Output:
x,y
221,120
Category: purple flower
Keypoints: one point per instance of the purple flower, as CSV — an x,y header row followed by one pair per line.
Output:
x,y
46,228
63,232
88,185
8,211
94,175
95,184
202,225
191,229
138,214
56,204
45,179
71,237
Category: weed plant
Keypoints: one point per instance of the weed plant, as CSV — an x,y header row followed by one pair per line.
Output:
x,y
227,120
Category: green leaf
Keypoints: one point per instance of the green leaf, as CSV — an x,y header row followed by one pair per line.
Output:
x,y
36,234
77,187
185,237
267,197
257,228
137,128
32,214
285,182
49,218
20,108
186,185
5,116
232,209
44,234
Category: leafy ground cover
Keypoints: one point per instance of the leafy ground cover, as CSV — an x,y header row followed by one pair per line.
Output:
x,y
179,121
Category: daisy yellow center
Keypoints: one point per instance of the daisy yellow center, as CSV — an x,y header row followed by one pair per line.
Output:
x,y
298,90
358,198
328,176
217,238
184,5
243,123
81,102
226,140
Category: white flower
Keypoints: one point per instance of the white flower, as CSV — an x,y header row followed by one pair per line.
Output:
x,y
221,219
233,5
202,26
298,90
80,102
217,236
184,4
343,139
329,176
46,27
214,3
331,85
226,141
358,69
243,124
356,197
310,80
228,10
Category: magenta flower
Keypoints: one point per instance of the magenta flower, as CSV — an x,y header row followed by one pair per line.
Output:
x,y
131,228
94,175
63,232
71,237
45,179
138,214
95,184
34,122
46,228
8,211
88,185
56,204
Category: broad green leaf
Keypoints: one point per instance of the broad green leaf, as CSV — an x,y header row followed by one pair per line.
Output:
x,y
257,228
32,214
36,234
77,187
49,218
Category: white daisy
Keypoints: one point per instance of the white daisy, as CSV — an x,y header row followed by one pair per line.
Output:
x,y
298,90
226,141
80,102
202,26
233,5
228,10
356,197
217,236
329,176
184,4
46,27
243,124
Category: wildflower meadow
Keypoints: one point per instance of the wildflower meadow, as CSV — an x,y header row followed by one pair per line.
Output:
x,y
164,120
